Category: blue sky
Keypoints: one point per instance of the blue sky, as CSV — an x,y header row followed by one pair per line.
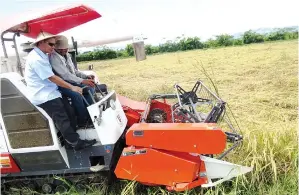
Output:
x,y
158,19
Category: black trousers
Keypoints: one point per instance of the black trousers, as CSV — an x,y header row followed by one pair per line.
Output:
x,y
63,117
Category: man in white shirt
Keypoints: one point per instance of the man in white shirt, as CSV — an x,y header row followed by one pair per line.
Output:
x,y
43,84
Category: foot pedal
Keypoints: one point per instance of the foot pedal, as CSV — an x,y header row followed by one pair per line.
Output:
x,y
96,168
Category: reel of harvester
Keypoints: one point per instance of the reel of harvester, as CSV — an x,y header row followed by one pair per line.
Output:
x,y
200,105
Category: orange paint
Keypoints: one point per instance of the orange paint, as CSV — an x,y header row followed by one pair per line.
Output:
x,y
160,167
135,105
201,138
132,116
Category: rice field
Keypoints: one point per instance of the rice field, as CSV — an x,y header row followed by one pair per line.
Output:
x,y
258,81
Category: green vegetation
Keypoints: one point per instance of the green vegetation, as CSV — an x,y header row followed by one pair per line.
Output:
x,y
191,43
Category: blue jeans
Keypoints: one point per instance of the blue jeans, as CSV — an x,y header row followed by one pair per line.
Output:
x,y
78,103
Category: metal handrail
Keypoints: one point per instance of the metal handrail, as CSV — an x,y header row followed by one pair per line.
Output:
x,y
14,46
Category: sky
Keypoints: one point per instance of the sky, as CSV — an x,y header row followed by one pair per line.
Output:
x,y
161,20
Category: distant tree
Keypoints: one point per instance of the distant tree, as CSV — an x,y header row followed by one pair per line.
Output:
x,y
238,42
224,40
155,49
278,35
282,34
130,50
190,43
148,49
183,43
252,37
210,43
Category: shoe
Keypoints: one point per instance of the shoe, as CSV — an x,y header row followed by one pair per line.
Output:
x,y
96,168
86,125
81,144
90,141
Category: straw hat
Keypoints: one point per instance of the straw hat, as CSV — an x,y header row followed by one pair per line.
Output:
x,y
62,43
44,35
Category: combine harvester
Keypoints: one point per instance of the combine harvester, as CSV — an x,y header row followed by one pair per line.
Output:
x,y
178,145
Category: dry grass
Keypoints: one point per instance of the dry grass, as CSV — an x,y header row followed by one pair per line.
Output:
x,y
260,84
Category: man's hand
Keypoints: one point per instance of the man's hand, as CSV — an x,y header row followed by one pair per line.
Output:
x,y
90,76
88,82
58,81
77,89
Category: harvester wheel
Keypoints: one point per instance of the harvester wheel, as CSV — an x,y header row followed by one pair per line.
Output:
x,y
47,188
61,189
3,188
81,189
31,185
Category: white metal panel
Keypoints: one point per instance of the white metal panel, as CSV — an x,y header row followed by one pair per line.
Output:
x,y
16,79
113,121
3,146
218,169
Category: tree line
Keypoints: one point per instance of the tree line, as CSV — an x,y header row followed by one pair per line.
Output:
x,y
191,43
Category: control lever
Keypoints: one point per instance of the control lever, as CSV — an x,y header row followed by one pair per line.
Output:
x,y
99,118
92,98
89,93
96,84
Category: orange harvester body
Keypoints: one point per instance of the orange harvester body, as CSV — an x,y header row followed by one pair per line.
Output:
x,y
160,153
171,144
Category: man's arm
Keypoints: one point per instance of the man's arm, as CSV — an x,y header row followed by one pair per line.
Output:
x,y
60,82
81,74
77,72
44,71
88,79
61,69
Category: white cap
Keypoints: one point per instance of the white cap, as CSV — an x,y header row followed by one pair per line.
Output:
x,y
62,43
